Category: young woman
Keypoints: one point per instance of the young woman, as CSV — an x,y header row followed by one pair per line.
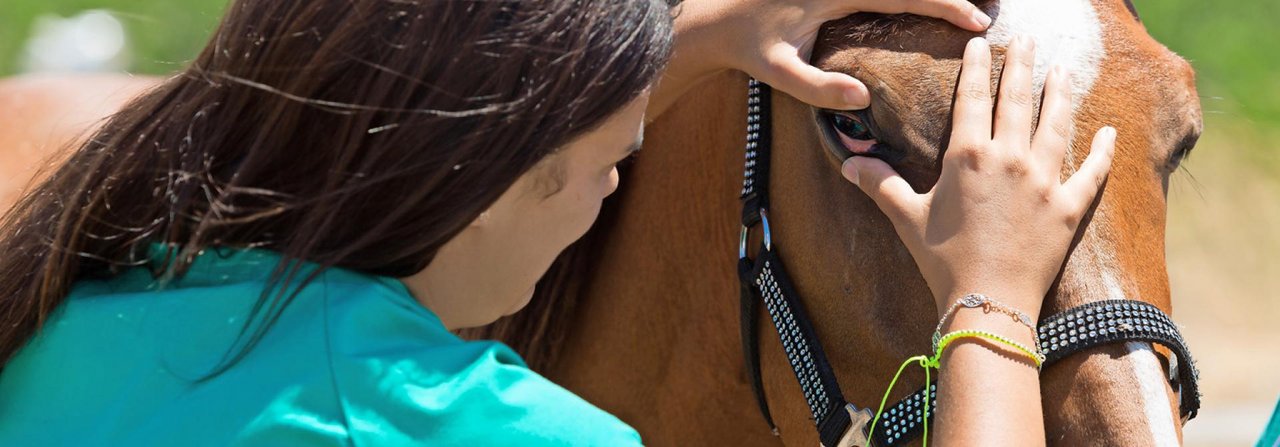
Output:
x,y
272,247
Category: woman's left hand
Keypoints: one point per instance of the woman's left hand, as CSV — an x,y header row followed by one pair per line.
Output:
x,y
771,40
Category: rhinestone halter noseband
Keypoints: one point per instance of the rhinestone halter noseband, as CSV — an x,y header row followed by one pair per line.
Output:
x,y
764,280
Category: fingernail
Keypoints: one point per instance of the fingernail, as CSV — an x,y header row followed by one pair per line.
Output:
x,y
855,98
1022,40
850,170
973,44
982,18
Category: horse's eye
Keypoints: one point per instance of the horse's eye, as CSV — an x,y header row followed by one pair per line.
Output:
x,y
850,126
1182,151
1176,158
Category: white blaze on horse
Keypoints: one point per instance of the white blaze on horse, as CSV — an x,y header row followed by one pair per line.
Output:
x,y
642,316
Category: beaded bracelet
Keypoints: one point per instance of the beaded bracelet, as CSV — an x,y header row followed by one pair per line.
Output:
x,y
1036,357
974,300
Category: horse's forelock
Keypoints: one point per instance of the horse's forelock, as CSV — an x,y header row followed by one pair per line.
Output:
x,y
870,27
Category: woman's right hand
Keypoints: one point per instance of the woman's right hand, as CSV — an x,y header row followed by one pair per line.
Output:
x,y
771,40
999,221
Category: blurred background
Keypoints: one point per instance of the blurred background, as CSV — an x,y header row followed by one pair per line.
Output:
x,y
1223,206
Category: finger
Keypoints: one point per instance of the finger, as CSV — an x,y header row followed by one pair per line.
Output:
x,y
961,13
879,181
837,91
1083,186
971,122
1053,135
1013,107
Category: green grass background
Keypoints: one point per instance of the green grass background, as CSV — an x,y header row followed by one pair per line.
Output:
x,y
163,34
1232,45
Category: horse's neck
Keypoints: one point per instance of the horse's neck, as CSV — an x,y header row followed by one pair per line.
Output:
x,y
655,339
45,116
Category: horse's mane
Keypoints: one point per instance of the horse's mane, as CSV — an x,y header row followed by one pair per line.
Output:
x,y
539,330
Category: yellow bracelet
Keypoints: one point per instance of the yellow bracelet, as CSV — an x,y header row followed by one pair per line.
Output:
x,y
1036,357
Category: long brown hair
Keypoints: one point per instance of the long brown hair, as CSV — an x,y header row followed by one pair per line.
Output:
x,y
358,134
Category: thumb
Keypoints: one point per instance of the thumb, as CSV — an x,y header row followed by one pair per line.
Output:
x,y
828,90
879,181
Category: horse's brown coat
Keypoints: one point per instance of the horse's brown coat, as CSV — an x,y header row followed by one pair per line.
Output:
x,y
655,339
655,342
43,114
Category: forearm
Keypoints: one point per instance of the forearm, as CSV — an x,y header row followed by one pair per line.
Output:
x,y
694,57
988,393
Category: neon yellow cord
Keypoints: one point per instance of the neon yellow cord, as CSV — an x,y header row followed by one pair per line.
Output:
x,y
1036,357
934,363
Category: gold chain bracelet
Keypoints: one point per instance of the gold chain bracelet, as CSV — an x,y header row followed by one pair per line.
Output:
x,y
988,305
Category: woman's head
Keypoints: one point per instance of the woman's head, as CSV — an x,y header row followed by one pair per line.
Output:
x,y
362,134
392,120
489,269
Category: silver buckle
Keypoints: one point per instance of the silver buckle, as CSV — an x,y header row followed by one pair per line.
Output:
x,y
768,235
855,436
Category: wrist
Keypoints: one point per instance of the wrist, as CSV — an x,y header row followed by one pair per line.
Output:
x,y
1023,299
695,57
981,313
977,319
701,44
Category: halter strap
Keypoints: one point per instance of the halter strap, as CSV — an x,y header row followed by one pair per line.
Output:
x,y
1116,321
765,279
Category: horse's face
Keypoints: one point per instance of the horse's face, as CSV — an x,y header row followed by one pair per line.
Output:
x,y
1116,394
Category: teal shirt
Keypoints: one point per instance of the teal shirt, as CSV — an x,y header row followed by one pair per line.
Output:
x,y
1271,434
353,360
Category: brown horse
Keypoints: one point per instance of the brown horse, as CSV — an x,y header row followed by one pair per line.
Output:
x,y
651,332
654,335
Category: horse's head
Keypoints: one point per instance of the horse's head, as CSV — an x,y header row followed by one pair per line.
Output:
x,y
871,305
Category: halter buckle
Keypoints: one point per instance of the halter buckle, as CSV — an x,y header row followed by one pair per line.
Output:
x,y
856,435
768,235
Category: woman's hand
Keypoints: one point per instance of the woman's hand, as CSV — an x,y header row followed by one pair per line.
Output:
x,y
771,40
999,221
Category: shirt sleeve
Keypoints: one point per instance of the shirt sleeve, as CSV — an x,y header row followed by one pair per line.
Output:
x,y
468,394
402,379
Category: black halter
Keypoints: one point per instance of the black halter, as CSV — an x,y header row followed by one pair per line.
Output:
x,y
765,280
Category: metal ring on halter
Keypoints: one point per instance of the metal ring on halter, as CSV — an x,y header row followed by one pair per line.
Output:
x,y
768,235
